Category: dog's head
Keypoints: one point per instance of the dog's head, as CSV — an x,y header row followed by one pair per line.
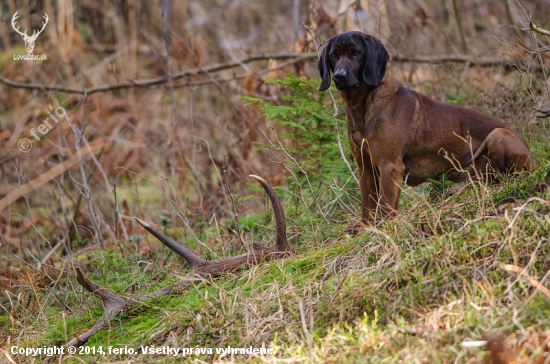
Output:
x,y
353,57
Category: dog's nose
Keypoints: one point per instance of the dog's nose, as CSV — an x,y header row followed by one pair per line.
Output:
x,y
340,74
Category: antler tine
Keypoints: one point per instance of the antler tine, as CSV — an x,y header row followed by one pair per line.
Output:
x,y
13,19
44,23
280,222
182,251
34,32
112,302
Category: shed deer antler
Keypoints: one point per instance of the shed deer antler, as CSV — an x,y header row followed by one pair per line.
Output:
x,y
114,303
29,41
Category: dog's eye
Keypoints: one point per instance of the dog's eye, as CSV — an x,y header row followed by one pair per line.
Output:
x,y
332,55
356,53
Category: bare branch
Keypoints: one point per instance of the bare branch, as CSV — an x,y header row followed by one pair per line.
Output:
x,y
292,58
538,29
161,79
454,58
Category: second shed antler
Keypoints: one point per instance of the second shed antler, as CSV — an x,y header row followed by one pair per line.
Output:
x,y
114,303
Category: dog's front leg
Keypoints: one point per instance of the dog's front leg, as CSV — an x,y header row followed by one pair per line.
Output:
x,y
369,193
391,179
369,183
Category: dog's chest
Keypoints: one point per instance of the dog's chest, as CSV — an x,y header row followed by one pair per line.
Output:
x,y
365,110
355,118
366,125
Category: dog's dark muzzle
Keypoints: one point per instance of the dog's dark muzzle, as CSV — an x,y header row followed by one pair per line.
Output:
x,y
342,79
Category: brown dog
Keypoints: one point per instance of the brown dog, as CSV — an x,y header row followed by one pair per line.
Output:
x,y
400,136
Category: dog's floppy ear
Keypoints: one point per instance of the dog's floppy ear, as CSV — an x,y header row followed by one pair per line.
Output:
x,y
375,60
324,67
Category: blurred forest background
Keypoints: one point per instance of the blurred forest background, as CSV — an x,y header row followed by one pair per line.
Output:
x,y
195,59
164,133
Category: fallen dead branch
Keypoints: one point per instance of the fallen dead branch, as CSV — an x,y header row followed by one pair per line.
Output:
x,y
114,303
161,79
291,57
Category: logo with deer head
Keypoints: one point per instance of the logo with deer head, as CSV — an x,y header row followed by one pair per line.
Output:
x,y
29,40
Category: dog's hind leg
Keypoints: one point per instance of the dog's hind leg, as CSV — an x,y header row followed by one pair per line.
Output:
x,y
503,151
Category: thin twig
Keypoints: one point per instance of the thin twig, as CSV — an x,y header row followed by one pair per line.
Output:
x,y
79,136
228,188
179,212
537,52
538,29
460,28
